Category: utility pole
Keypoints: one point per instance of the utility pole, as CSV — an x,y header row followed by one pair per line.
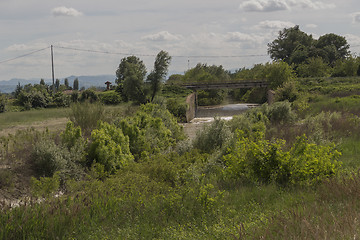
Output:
x,y
52,68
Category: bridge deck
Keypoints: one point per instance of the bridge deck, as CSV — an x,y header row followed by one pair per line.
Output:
x,y
242,84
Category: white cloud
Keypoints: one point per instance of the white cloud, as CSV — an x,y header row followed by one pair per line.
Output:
x,y
67,12
163,36
311,25
264,5
356,17
275,24
310,4
280,5
352,39
250,40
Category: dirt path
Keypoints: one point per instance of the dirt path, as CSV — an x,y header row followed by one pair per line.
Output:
x,y
51,124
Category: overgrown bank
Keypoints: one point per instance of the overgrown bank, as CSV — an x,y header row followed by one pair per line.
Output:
x,y
135,176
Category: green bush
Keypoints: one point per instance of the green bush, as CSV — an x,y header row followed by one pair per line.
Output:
x,y
287,92
47,158
152,130
33,98
250,123
71,136
109,147
110,97
213,136
3,103
263,161
88,95
61,100
177,108
279,112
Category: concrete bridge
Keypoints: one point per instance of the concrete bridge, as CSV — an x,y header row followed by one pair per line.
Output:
x,y
192,98
222,85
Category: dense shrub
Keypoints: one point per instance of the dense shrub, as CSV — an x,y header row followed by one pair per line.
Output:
x,y
259,160
109,147
89,95
152,130
61,100
33,98
110,97
279,112
251,122
213,136
287,92
3,103
177,108
47,158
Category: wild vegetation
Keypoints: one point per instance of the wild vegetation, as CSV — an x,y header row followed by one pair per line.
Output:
x,y
288,170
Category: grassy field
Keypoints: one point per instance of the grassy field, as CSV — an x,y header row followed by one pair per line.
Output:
x,y
10,119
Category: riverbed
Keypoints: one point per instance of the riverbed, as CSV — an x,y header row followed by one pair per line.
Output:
x,y
206,114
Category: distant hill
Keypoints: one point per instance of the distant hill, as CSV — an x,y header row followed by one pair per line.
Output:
x,y
84,81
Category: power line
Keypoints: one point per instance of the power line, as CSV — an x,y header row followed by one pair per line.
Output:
x,y
154,55
24,55
103,52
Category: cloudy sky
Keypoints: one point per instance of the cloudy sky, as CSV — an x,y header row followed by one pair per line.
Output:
x,y
91,36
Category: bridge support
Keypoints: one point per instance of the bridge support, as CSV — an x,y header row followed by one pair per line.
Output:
x,y
191,101
270,97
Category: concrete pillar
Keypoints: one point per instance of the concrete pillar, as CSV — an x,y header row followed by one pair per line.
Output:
x,y
270,97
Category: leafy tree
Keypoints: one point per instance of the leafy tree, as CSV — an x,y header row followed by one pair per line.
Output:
x,y
278,73
257,72
175,79
332,47
130,79
57,84
347,67
89,95
205,73
292,44
157,76
3,102
17,90
66,83
36,96
76,84
42,82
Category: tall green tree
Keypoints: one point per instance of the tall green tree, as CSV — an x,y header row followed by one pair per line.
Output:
x,y
57,84
66,83
130,77
76,84
158,74
332,47
278,73
292,45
